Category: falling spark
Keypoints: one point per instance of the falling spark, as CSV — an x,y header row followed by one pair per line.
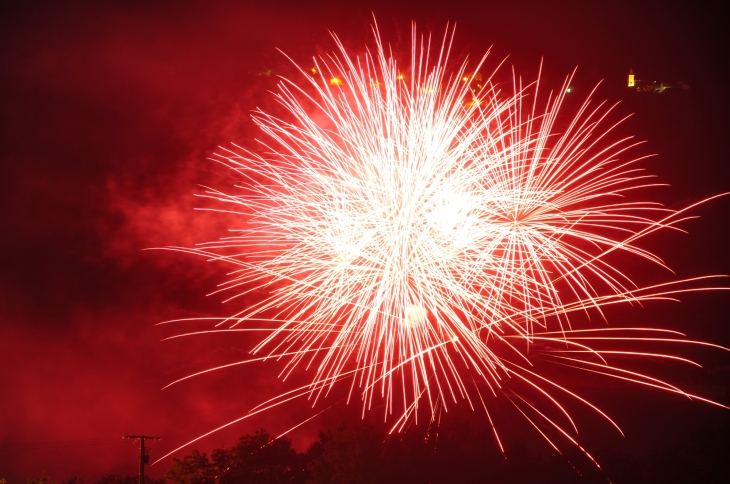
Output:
x,y
428,242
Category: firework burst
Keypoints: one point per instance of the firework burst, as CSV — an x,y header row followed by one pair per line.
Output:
x,y
425,234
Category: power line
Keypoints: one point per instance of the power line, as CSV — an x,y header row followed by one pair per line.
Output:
x,y
144,456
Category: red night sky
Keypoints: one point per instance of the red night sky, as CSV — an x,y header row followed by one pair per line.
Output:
x,y
108,113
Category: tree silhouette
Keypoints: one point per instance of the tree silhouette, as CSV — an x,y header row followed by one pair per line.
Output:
x,y
444,454
254,459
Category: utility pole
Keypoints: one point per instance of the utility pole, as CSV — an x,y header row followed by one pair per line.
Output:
x,y
144,458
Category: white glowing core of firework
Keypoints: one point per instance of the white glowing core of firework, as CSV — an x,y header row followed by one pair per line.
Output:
x,y
406,226
427,238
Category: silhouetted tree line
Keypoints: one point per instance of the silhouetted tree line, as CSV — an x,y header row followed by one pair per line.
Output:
x,y
365,454
456,453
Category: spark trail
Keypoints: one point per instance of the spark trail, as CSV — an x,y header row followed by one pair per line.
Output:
x,y
425,234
